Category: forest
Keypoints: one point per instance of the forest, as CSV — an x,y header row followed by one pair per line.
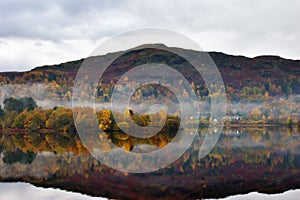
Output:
x,y
24,113
261,91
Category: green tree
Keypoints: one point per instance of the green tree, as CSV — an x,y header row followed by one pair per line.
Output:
x,y
289,90
1,111
18,105
12,104
28,103
19,156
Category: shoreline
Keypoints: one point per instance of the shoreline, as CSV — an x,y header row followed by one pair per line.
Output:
x,y
47,131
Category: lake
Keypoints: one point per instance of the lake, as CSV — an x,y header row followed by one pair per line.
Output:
x,y
245,159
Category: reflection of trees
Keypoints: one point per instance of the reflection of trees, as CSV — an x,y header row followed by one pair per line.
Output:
x,y
257,155
161,139
37,142
265,147
18,156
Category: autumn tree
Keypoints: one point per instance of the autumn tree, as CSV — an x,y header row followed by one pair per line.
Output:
x,y
8,119
105,120
61,119
35,120
20,120
256,114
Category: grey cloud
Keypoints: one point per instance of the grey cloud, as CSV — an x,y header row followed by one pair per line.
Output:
x,y
57,20
249,28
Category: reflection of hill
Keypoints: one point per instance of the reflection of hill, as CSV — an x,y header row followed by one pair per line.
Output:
x,y
265,160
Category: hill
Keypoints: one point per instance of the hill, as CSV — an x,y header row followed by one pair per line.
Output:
x,y
276,75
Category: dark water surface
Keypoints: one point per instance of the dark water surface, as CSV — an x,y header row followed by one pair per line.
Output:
x,y
245,159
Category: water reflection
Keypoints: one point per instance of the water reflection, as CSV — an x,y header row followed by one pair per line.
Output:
x,y
264,159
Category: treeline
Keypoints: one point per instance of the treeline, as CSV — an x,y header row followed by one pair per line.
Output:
x,y
24,113
58,119
58,86
58,123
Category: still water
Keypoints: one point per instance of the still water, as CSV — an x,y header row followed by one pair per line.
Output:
x,y
245,159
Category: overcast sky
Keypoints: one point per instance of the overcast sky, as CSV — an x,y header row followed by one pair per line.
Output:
x,y
34,33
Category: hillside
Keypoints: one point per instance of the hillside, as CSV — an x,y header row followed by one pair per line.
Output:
x,y
237,72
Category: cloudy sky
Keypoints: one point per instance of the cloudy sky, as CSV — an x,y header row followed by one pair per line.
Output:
x,y
34,33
